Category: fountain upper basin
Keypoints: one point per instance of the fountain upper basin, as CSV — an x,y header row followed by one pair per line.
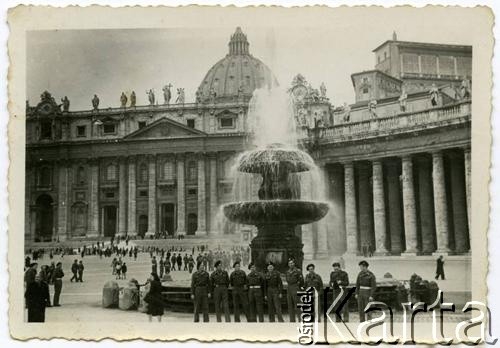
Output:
x,y
275,212
275,158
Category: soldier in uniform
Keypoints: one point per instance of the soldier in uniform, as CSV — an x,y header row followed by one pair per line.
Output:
x,y
339,280
255,288
238,282
314,280
272,292
220,284
200,286
365,289
57,280
295,282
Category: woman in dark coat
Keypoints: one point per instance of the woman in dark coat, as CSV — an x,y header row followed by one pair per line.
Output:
x,y
154,298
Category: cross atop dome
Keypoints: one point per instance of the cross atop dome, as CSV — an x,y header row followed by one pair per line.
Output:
x,y
238,45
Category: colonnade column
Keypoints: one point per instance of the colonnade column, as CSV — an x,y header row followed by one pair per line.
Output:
x,y
459,204
151,196
467,164
202,197
213,194
132,209
440,207
181,203
394,211
337,236
93,222
365,206
426,205
351,215
63,200
409,210
322,249
379,208
122,208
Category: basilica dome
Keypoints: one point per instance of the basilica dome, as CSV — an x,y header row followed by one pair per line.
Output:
x,y
238,74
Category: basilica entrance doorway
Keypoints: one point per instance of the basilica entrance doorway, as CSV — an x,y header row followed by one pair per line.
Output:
x,y
44,218
143,225
109,220
167,223
192,223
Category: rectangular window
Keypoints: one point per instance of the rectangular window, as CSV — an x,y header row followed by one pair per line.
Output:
x,y
365,90
190,123
227,122
110,194
46,130
141,124
109,128
81,131
192,191
143,193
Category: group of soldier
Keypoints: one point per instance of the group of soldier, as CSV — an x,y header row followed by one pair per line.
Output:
x,y
251,290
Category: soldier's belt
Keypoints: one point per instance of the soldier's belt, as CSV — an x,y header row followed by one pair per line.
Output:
x,y
254,287
365,287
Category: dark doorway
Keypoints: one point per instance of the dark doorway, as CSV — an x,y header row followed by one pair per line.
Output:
x,y
109,221
44,218
143,225
192,223
168,218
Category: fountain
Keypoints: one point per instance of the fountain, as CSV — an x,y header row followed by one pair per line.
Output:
x,y
279,210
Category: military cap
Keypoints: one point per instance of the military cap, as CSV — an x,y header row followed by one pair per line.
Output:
x,y
251,265
236,263
34,264
335,264
363,263
217,263
310,265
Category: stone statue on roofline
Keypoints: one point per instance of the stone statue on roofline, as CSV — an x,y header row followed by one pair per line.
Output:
x,y
322,90
347,112
402,99
95,102
65,103
180,96
167,94
465,89
434,95
151,96
133,99
372,108
123,100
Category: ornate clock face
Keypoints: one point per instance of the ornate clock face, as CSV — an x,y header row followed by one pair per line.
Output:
x,y
46,109
299,92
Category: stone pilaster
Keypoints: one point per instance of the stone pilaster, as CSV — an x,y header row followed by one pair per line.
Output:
x,y
122,199
440,204
379,208
458,201
467,165
213,195
93,224
181,196
395,216
62,200
202,197
351,215
426,205
151,196
409,209
132,191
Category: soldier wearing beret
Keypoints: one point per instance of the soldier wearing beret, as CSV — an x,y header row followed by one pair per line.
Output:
x,y
366,285
238,282
200,287
295,282
220,284
255,296
339,280
314,280
272,292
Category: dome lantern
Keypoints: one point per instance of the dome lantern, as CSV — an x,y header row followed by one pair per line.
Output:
x,y
238,44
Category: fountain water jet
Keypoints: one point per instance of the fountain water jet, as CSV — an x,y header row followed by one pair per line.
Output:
x,y
279,209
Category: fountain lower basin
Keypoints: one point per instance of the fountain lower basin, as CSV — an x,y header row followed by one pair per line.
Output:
x,y
296,212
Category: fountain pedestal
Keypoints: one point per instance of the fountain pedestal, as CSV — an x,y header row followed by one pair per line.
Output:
x,y
277,243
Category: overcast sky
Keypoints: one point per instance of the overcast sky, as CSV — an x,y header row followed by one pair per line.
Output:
x,y
79,63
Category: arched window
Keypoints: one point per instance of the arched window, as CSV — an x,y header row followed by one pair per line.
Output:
x,y
143,172
111,172
80,175
45,176
168,170
192,171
